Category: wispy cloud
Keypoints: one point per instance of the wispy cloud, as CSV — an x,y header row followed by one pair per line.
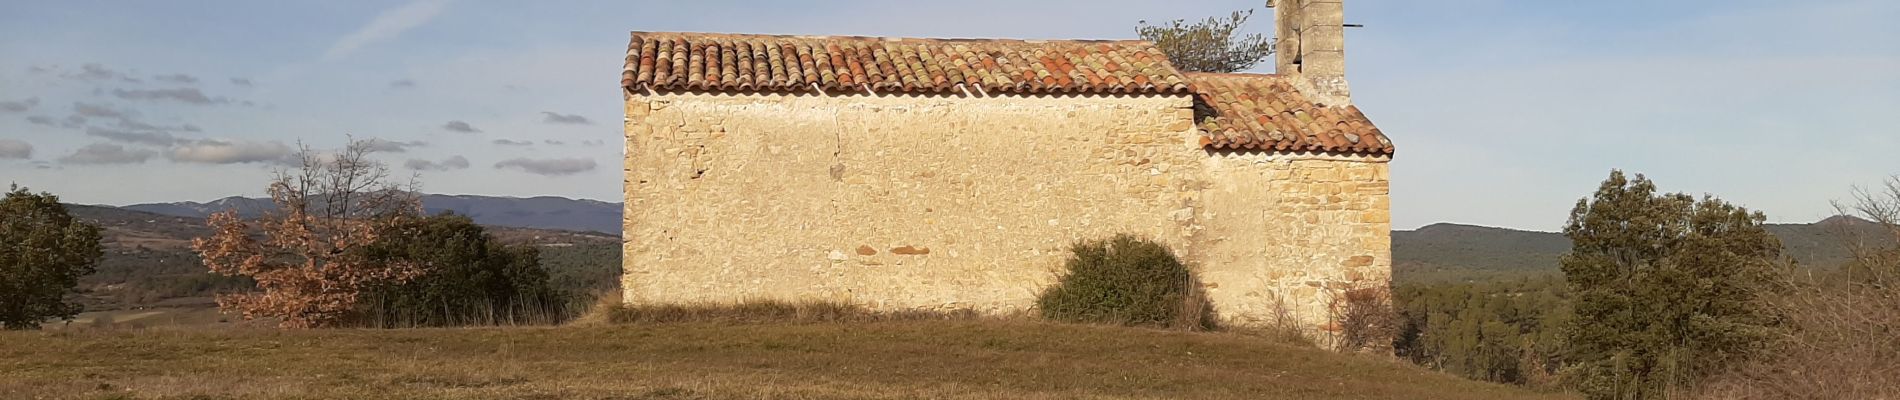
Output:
x,y
107,153
15,149
176,78
402,84
506,142
90,110
389,24
451,163
459,126
549,166
386,146
128,136
229,152
19,105
185,95
97,72
133,124
245,82
559,118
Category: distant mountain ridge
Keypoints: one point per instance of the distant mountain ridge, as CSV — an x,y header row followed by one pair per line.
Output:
x,y
1446,251
1437,252
541,212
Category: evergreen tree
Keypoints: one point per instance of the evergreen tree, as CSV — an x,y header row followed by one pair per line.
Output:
x,y
1668,288
43,252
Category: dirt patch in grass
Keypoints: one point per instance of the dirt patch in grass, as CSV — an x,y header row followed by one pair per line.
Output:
x,y
890,359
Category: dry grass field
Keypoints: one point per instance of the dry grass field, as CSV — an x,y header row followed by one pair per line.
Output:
x,y
949,359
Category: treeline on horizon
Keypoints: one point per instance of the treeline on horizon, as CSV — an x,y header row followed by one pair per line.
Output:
x,y
1670,296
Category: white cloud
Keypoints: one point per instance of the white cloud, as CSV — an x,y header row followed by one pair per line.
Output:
x,y
387,25
229,152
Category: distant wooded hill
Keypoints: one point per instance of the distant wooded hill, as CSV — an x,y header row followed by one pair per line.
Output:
x,y
149,263
148,260
544,212
1454,252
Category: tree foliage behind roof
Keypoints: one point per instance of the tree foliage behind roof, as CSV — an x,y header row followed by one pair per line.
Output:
x,y
1212,45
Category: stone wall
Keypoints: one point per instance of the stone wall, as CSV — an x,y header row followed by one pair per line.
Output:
x,y
950,202
1289,232
892,201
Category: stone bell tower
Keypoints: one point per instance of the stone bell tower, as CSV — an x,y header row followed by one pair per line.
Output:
x,y
1312,47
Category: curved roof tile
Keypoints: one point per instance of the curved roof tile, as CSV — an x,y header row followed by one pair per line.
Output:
x,y
1266,112
733,62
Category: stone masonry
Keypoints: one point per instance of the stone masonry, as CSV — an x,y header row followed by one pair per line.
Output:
x,y
943,202
944,174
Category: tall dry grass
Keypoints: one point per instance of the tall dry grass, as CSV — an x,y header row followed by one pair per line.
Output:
x,y
609,308
1843,342
1365,318
1282,326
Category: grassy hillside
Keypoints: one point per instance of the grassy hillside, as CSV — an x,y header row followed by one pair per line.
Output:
x,y
968,359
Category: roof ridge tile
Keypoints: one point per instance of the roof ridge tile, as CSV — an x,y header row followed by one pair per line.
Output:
x,y
670,61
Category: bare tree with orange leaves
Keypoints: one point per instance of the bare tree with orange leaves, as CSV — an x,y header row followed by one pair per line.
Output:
x,y
302,253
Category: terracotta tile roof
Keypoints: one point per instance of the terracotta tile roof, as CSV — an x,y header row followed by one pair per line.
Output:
x,y
727,62
1253,111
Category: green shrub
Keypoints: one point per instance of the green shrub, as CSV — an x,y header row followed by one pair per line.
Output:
x,y
467,278
1127,281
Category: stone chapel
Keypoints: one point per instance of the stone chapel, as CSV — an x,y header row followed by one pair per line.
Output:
x,y
908,173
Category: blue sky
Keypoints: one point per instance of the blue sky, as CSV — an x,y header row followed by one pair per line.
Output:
x,y
1505,112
